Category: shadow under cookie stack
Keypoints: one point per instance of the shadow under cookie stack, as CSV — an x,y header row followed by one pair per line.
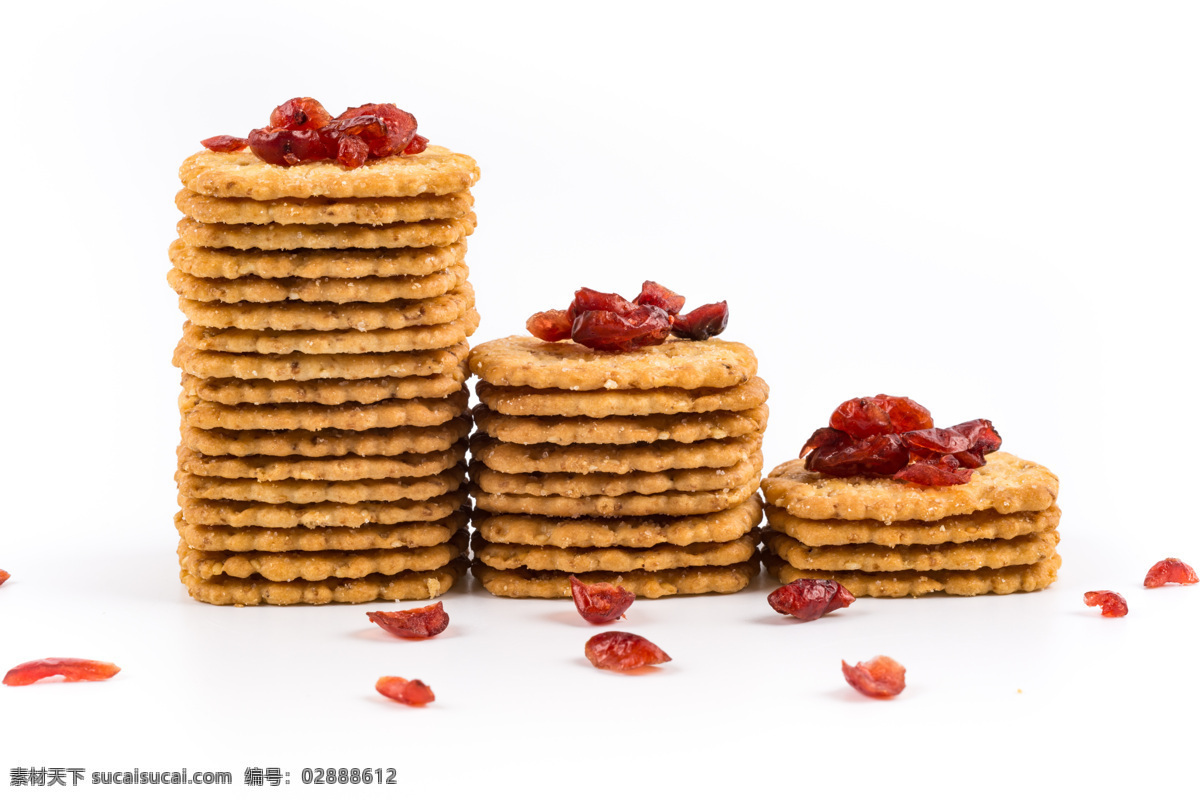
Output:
x,y
324,414
639,469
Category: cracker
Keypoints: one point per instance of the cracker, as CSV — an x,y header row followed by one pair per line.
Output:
x,y
317,290
620,459
524,401
421,412
322,210
964,528
297,316
257,591
985,553
387,490
723,526
382,442
319,565
615,559
620,430
1027,578
278,540
671,504
318,515
243,174
663,583
677,363
346,468
1005,483
302,367
420,337
273,236
566,484
205,262
232,391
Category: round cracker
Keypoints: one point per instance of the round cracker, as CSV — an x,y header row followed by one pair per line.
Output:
x,y
322,210
619,459
319,444
419,413
345,468
243,174
205,262
524,401
232,391
615,559
663,583
671,504
983,554
280,540
677,363
273,236
965,528
307,491
318,515
319,290
620,430
301,367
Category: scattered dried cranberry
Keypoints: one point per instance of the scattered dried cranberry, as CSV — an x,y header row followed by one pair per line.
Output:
x,y
398,127
905,413
934,442
703,322
300,114
655,294
861,417
550,326
4,576
286,148
599,603
613,332
590,300
825,437
807,599
881,677
1170,570
417,145
878,456
411,693
71,669
225,144
621,651
944,471
415,623
1111,604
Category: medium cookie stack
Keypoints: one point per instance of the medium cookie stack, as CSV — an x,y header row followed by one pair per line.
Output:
x,y
881,537
639,469
324,413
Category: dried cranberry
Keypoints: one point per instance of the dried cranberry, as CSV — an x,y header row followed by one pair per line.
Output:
x,y
905,413
411,693
1169,570
350,152
703,322
71,669
550,326
881,677
300,114
655,294
877,455
417,145
286,148
825,437
599,603
861,417
4,576
807,599
225,144
622,651
610,331
944,471
399,127
415,623
591,300
932,442
1111,604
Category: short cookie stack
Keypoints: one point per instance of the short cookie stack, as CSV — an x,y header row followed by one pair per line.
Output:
x,y
881,537
324,413
639,469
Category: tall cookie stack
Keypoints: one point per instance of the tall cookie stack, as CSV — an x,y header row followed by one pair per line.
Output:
x,y
639,469
881,537
324,415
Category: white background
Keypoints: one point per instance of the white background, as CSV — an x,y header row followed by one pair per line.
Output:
x,y
989,207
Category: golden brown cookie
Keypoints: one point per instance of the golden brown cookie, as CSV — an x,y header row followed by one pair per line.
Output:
x,y
421,412
419,337
319,565
620,459
985,553
677,363
322,210
205,262
278,540
524,401
344,468
1027,578
318,515
663,583
671,504
301,367
273,236
567,484
257,591
722,526
389,490
320,290
232,391
319,444
620,430
964,528
1005,483
615,559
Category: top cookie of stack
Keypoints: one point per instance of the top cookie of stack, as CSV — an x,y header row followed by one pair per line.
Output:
x,y
324,414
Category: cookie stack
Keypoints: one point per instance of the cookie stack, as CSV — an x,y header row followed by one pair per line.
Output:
x,y
324,415
639,469
879,537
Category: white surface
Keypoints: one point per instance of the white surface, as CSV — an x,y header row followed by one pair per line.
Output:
x,y
991,211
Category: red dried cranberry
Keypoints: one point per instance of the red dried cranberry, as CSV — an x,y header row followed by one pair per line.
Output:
x,y
1169,570
550,326
1111,604
944,471
225,144
877,455
351,152
599,603
933,442
399,127
414,623
591,300
71,669
655,294
4,576
807,599
300,114
982,439
613,332
881,677
861,417
825,437
703,322
417,145
621,651
905,413
286,148
410,693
